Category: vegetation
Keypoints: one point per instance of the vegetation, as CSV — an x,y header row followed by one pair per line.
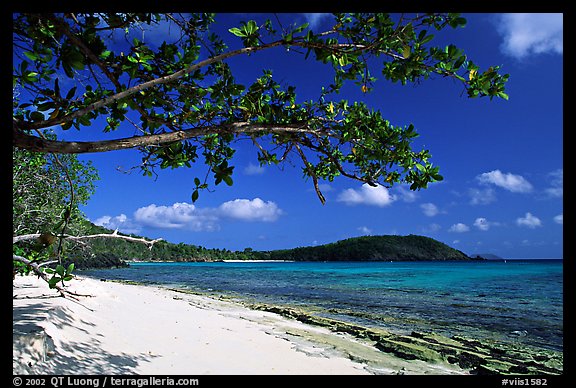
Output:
x,y
106,252
374,248
46,192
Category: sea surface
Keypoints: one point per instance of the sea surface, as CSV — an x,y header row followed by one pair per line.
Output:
x,y
518,301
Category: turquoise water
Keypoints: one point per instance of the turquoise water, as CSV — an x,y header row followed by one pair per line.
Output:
x,y
517,301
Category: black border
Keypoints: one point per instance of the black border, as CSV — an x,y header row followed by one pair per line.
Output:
x,y
347,6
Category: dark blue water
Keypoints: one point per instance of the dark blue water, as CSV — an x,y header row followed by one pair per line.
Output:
x,y
514,301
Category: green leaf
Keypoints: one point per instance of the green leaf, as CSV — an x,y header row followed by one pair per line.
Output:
x,y
228,180
503,95
459,61
36,116
60,270
53,281
77,64
45,106
460,21
84,120
427,39
238,32
251,27
421,35
301,28
406,52
32,56
195,196
71,93
70,269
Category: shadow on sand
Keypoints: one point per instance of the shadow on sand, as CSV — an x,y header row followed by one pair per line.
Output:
x,y
35,352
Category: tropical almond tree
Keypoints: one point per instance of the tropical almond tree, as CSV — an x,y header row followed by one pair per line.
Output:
x,y
184,102
185,106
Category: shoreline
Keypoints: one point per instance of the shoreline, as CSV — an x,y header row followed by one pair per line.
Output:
x,y
142,329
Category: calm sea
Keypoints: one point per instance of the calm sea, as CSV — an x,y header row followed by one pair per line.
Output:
x,y
517,300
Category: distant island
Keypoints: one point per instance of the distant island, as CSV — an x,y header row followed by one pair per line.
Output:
x,y
111,252
374,248
487,256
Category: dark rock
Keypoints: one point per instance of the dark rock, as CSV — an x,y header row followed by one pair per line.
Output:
x,y
523,369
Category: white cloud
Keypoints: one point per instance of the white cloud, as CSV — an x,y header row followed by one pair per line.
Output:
x,y
316,19
250,210
459,228
325,188
556,189
430,209
180,215
529,221
121,222
254,169
405,193
508,181
367,195
365,230
481,197
559,219
432,228
482,223
531,33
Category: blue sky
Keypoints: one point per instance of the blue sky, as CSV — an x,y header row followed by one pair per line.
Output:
x,y
502,161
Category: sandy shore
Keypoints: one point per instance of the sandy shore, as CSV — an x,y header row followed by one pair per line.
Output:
x,y
132,329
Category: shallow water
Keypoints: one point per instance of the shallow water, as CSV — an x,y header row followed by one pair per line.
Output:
x,y
514,301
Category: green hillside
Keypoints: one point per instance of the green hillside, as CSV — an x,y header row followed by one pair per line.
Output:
x,y
374,248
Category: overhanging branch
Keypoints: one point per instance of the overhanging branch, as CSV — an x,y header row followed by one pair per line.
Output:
x,y
115,234
33,143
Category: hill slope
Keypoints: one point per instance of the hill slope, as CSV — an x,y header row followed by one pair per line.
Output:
x,y
374,248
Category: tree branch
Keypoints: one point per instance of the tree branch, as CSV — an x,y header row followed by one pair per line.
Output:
x,y
38,271
158,81
32,143
312,174
115,234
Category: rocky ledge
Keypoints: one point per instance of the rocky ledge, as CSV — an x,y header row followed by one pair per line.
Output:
x,y
478,357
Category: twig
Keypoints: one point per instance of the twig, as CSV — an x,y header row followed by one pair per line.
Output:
x,y
312,174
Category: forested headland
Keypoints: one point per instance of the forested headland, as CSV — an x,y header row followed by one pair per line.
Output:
x,y
110,252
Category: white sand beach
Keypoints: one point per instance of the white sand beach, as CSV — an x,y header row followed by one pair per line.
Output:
x,y
133,329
